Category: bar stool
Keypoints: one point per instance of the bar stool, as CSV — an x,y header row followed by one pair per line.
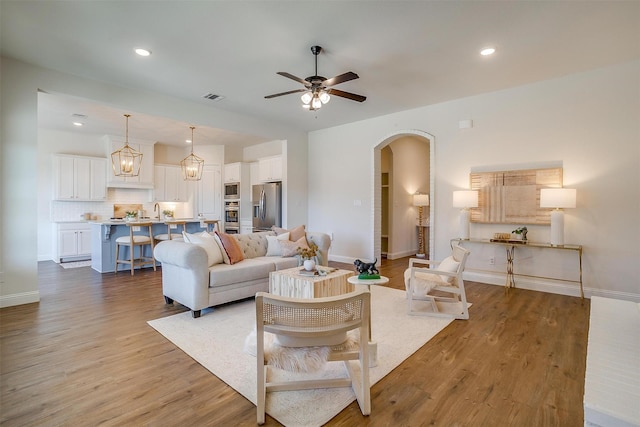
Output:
x,y
133,240
212,225
175,235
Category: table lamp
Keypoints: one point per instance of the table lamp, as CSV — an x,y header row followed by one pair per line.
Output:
x,y
557,198
420,200
465,199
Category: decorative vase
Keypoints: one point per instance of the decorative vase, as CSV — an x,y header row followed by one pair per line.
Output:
x,y
309,264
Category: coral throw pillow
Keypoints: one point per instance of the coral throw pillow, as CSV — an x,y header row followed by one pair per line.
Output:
x,y
231,247
294,234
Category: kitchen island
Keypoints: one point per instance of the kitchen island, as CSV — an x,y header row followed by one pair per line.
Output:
x,y
105,233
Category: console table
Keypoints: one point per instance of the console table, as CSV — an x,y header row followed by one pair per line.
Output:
x,y
510,247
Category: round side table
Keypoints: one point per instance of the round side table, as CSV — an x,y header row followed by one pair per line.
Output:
x,y
373,346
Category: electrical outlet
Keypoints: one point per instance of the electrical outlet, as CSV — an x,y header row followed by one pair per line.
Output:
x,y
492,261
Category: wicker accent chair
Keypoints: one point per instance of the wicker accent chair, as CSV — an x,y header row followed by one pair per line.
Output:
x,y
423,277
315,322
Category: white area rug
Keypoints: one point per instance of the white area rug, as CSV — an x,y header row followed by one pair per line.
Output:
x,y
216,341
75,264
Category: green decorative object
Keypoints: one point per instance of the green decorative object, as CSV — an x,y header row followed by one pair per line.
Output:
x,y
368,276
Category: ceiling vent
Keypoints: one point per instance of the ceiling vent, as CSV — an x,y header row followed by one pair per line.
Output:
x,y
212,97
79,116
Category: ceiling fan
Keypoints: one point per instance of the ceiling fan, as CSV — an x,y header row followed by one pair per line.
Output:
x,y
317,89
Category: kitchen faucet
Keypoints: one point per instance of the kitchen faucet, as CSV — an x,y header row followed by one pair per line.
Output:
x,y
157,206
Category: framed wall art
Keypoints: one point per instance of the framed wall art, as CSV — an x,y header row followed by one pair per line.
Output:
x,y
513,196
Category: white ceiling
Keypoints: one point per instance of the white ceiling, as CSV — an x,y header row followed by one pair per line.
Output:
x,y
407,54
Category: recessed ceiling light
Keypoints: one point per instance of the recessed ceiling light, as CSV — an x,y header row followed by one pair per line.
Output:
x,y
143,52
487,51
78,124
188,141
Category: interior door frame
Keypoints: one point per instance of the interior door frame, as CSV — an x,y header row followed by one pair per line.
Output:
x,y
376,234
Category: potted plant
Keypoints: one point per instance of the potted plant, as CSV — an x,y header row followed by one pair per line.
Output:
x,y
168,214
521,233
308,255
130,215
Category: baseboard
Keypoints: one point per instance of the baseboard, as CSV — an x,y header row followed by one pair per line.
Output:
x,y
19,299
550,286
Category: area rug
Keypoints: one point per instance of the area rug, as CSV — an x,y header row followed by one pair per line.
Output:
x,y
216,341
75,264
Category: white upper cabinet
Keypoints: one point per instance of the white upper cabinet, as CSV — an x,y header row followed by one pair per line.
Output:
x,y
232,172
170,185
270,169
79,178
145,178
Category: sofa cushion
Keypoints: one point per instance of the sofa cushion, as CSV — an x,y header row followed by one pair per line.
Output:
x,y
280,263
295,233
253,244
291,248
273,244
231,247
243,271
208,242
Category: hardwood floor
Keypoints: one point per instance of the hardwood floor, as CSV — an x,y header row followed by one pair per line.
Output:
x,y
85,356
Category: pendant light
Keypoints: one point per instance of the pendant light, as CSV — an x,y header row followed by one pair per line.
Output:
x,y
192,165
126,161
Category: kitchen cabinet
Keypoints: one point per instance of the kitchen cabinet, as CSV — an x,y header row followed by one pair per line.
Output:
x,y
73,241
232,172
169,185
209,193
145,179
79,178
270,169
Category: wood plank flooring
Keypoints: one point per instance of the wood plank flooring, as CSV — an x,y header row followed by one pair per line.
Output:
x,y
85,356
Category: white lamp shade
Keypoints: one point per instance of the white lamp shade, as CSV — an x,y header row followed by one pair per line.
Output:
x,y
465,199
558,198
420,200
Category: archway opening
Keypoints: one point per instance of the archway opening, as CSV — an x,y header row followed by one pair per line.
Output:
x,y
403,165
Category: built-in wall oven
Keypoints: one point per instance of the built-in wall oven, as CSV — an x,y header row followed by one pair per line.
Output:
x,y
231,217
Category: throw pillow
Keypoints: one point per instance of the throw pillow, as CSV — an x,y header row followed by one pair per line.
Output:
x,y
231,247
207,242
449,265
273,244
294,234
290,248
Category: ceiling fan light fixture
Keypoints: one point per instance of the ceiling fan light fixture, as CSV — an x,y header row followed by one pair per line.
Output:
x,y
316,103
306,97
324,97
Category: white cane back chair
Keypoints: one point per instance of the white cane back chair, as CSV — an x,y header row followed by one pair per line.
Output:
x,y
315,322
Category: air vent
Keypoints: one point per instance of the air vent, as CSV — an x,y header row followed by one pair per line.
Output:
x,y
212,96
79,116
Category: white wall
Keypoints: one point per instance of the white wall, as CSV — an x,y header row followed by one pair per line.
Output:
x,y
589,121
18,96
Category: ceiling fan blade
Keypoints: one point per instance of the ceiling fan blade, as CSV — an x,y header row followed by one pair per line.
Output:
x,y
340,79
292,77
348,95
285,93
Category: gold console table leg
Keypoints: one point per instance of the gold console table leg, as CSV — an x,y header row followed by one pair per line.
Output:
x,y
510,283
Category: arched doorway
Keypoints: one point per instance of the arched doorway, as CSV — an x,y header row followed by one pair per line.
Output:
x,y
377,185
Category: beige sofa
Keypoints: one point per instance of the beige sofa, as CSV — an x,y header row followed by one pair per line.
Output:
x,y
188,279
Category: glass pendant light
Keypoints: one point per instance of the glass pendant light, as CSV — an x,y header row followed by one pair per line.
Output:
x,y
192,165
126,161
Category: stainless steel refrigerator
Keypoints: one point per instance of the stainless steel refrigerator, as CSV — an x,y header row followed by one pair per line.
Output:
x,y
267,206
